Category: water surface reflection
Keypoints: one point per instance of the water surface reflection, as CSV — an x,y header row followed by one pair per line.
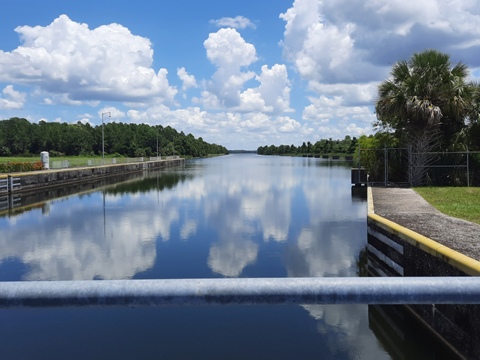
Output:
x,y
239,215
229,217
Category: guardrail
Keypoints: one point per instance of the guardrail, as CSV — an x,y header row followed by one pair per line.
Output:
x,y
64,164
14,183
8,200
397,290
9,184
3,185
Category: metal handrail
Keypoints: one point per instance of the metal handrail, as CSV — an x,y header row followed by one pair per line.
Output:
x,y
386,290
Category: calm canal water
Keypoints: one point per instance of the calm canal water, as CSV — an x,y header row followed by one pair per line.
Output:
x,y
232,216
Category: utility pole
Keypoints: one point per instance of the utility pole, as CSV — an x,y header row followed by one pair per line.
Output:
x,y
103,136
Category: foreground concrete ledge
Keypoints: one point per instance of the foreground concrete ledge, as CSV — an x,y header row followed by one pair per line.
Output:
x,y
408,209
447,248
399,290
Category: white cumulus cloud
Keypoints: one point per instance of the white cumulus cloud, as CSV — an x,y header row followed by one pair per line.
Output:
x,y
357,41
232,56
229,52
275,87
12,99
227,49
105,63
188,80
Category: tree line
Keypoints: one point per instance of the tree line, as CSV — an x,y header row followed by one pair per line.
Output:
x,y
19,137
322,147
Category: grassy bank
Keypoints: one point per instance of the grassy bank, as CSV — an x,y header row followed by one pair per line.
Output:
x,y
460,202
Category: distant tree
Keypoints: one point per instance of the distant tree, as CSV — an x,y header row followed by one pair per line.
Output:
x,y
309,147
303,148
370,153
323,146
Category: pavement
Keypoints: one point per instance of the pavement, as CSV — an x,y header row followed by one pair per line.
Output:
x,y
408,209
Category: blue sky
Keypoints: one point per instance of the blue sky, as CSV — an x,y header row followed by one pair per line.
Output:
x,y
238,73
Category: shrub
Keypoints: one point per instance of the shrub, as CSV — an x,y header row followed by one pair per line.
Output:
x,y
9,167
54,153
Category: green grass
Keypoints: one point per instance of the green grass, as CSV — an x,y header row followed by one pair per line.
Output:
x,y
459,202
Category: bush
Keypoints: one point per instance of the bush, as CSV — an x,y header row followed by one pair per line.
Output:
x,y
140,153
9,167
54,153
5,151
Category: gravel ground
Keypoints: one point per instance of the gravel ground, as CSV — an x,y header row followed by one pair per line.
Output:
x,y
407,208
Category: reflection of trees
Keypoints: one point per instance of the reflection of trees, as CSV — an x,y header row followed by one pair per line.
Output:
x,y
116,185
153,181
362,263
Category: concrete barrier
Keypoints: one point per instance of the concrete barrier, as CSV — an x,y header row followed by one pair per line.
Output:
x,y
32,181
395,251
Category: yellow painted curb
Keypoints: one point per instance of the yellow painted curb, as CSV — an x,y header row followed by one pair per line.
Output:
x,y
371,209
460,261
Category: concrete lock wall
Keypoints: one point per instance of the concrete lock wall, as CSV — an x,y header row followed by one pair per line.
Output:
x,y
396,251
32,181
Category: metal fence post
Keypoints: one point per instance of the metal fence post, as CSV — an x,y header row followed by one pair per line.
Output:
x,y
358,165
386,164
410,166
9,183
468,168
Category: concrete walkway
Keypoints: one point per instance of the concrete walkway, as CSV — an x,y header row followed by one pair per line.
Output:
x,y
408,209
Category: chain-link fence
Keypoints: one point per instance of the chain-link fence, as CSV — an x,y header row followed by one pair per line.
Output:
x,y
404,167
63,164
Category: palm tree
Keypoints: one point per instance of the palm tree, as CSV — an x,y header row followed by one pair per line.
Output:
x,y
425,101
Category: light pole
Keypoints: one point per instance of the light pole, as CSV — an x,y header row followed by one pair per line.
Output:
x,y
103,137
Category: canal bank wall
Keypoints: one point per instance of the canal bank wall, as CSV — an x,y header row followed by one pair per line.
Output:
x,y
21,183
437,246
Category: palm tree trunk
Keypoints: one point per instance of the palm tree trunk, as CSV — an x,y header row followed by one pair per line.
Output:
x,y
423,142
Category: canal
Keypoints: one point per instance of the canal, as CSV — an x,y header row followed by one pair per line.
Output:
x,y
231,216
